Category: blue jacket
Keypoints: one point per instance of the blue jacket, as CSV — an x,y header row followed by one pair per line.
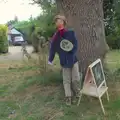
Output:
x,y
67,59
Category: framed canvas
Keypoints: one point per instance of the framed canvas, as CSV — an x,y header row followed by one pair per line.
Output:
x,y
98,73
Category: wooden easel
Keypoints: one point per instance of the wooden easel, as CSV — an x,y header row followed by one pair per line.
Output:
x,y
90,87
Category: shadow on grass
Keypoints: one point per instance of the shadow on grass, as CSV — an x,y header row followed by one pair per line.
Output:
x,y
48,79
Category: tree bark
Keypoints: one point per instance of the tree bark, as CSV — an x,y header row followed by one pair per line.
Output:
x,y
86,17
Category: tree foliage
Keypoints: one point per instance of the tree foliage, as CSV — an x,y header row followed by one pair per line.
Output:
x,y
112,20
108,7
44,22
3,39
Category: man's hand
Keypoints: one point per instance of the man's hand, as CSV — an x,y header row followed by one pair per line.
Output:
x,y
50,63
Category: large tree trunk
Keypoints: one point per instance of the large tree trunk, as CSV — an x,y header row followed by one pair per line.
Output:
x,y
86,17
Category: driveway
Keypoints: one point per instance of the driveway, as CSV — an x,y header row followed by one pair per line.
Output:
x,y
15,53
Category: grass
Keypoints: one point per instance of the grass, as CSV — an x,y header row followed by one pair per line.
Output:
x,y
113,60
25,94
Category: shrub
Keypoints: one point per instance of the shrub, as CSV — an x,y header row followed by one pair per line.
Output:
x,y
26,30
113,41
43,24
3,39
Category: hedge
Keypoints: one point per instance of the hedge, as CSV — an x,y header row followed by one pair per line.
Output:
x,y
3,39
113,41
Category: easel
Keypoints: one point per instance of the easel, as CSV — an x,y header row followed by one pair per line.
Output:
x,y
90,87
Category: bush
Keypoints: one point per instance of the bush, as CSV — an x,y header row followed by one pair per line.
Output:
x,y
43,24
113,41
3,39
26,30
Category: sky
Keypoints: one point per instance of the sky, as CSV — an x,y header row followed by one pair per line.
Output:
x,y
20,8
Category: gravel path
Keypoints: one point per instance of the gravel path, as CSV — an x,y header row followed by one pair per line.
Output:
x,y
15,53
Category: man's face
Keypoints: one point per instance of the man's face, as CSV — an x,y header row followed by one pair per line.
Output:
x,y
59,22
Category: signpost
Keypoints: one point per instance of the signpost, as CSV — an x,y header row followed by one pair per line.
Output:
x,y
95,83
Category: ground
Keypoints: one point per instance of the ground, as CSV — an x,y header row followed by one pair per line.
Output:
x,y
15,53
26,94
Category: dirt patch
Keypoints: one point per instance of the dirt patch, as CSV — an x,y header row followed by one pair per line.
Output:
x,y
4,66
43,90
114,90
11,76
12,116
52,114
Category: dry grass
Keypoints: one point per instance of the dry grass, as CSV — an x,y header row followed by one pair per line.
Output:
x,y
26,95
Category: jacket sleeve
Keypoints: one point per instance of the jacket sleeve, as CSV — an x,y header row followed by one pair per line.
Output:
x,y
74,42
52,51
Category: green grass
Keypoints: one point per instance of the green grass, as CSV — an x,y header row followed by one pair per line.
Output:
x,y
25,94
113,60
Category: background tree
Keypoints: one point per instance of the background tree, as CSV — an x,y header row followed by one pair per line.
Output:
x,y
109,11
89,27
112,20
44,22
86,17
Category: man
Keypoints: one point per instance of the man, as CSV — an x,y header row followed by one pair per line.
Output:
x,y
68,59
